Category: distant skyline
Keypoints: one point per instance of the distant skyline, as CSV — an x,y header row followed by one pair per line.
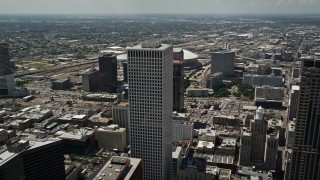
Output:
x,y
159,6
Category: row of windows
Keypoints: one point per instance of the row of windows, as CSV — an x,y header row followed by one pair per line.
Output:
x,y
146,63
142,70
141,53
136,85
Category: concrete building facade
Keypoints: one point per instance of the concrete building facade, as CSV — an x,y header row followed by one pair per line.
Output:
x,y
223,62
267,93
111,137
91,81
260,80
259,145
245,148
150,98
120,116
259,130
290,134
272,145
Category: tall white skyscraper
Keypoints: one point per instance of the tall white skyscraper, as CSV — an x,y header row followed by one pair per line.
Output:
x,y
150,97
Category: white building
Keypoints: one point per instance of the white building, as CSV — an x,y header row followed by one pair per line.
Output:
x,y
120,116
182,128
111,137
182,131
207,134
150,97
223,62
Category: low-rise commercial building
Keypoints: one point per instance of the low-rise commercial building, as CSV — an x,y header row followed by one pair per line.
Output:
x,y
61,84
182,128
268,96
111,137
77,141
260,80
121,168
198,92
225,120
100,97
290,132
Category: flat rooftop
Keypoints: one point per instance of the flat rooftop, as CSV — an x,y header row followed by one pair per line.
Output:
x,y
121,104
76,134
151,47
118,168
176,152
296,87
34,142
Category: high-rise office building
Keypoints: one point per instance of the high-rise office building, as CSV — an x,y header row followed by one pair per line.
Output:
x,y
32,158
259,131
272,145
108,72
150,98
3,86
178,86
293,101
223,62
305,162
245,147
7,83
91,80
259,145
120,116
5,67
125,71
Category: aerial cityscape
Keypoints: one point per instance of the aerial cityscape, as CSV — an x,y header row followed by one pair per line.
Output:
x,y
160,96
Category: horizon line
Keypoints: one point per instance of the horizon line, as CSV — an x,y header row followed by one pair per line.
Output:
x,y
159,13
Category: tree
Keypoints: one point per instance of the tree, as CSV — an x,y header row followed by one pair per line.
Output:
x,y
222,92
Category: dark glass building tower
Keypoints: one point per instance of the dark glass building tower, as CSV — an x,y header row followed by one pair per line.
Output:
x,y
5,68
108,72
305,162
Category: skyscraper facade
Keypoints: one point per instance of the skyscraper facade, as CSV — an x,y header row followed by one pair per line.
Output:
x,y
259,130
293,101
125,71
5,68
150,98
7,83
305,163
178,86
223,62
108,72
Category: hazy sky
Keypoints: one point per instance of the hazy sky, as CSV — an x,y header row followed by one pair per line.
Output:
x,y
158,6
